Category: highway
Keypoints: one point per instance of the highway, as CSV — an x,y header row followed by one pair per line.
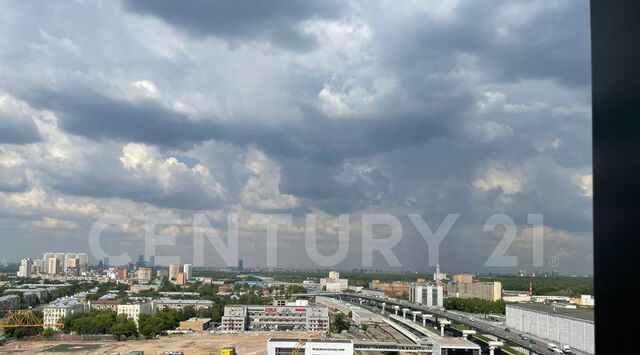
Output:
x,y
509,338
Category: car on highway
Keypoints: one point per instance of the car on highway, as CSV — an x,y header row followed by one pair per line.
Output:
x,y
507,329
532,341
566,349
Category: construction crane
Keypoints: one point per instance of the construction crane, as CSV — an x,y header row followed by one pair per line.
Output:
x,y
23,318
299,346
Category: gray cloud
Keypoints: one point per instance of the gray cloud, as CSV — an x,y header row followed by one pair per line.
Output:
x,y
473,108
246,21
18,130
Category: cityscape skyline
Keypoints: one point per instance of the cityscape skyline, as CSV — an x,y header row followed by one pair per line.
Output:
x,y
335,107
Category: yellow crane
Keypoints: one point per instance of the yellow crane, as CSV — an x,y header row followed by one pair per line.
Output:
x,y
299,346
23,318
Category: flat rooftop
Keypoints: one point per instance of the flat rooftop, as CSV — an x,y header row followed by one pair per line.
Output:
x,y
320,340
586,314
455,343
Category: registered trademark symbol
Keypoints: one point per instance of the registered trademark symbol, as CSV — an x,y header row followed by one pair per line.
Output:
x,y
554,261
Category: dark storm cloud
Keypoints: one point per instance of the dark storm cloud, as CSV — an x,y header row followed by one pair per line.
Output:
x,y
277,22
535,42
18,130
325,140
381,111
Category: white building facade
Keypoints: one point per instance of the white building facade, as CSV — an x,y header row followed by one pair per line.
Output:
x,y
428,295
61,308
560,325
134,310
310,346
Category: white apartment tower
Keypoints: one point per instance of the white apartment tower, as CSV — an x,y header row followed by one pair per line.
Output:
x,y
25,268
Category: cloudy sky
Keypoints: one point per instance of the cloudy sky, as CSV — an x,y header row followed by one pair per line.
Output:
x,y
432,107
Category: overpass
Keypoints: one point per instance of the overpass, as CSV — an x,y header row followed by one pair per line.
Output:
x,y
507,337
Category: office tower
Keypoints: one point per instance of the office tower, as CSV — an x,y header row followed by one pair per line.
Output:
x,y
188,270
240,266
152,261
105,262
174,268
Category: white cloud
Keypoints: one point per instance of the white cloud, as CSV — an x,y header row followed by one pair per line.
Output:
x,y
497,176
262,190
169,174
146,86
585,182
54,223
352,98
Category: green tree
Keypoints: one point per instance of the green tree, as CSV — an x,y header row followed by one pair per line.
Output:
x,y
340,322
124,328
48,333
147,325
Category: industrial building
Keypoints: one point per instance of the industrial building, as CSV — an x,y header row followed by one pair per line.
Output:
x,y
359,315
428,295
310,346
299,318
560,323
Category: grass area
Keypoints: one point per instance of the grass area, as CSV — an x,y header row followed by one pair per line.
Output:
x,y
461,327
510,350
482,337
70,348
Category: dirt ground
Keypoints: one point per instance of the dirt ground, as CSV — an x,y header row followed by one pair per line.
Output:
x,y
247,343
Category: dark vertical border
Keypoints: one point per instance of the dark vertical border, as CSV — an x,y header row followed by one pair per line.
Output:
x,y
615,45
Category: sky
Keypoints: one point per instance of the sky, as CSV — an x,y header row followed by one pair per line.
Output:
x,y
164,108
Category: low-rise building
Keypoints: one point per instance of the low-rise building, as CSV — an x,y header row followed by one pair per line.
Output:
x,y
60,308
134,310
197,324
165,303
103,305
9,302
310,346
392,289
298,318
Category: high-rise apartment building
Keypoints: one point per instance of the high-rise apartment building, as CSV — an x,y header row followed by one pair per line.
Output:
x,y
174,269
52,265
144,275
181,278
490,291
188,271
25,268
